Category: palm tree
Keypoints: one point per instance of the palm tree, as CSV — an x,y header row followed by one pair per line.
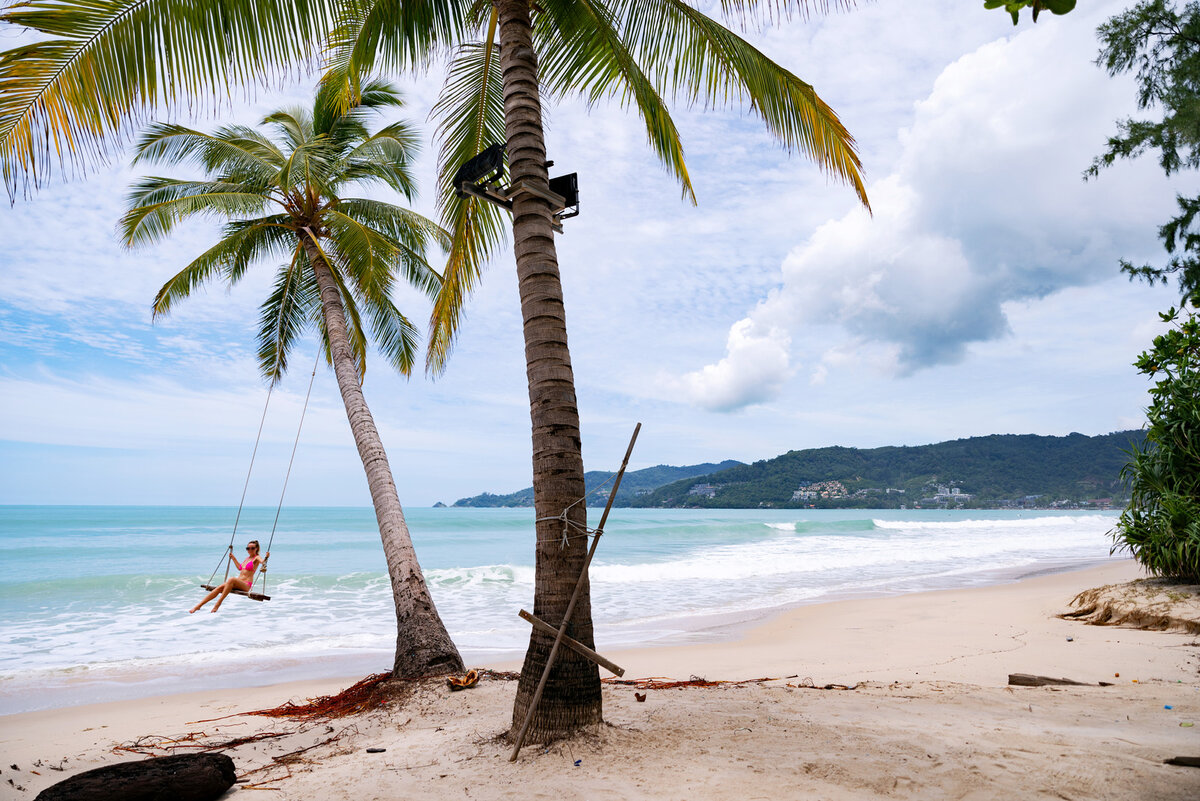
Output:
x,y
282,197
636,50
112,58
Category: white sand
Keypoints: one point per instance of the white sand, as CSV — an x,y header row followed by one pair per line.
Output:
x,y
934,719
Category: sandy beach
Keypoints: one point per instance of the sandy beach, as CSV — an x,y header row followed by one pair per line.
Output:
x,y
929,716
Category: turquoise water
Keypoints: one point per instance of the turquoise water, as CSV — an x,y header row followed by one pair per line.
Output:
x,y
95,599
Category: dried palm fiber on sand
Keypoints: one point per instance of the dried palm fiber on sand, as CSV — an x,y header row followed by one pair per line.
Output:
x,y
370,693
1155,604
374,691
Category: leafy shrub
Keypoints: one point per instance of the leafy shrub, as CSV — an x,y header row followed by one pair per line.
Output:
x,y
1161,525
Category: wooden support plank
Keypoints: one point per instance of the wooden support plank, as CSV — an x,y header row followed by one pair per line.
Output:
x,y
574,644
253,596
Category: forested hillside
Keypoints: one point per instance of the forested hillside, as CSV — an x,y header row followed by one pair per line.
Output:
x,y
634,482
1002,470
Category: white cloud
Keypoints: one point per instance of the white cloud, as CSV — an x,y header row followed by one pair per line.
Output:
x,y
753,371
986,205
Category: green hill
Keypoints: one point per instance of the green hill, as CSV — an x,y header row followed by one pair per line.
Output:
x,y
1003,470
634,483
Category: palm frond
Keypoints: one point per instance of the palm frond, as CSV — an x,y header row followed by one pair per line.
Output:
x,y
234,152
393,36
329,110
410,234
285,315
156,205
698,60
395,337
241,244
582,52
263,238
309,168
295,125
385,157
106,63
366,254
470,116
748,11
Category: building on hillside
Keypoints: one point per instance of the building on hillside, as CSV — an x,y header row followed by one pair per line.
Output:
x,y
947,494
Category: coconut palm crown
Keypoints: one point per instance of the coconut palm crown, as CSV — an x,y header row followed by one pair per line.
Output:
x,y
342,256
280,194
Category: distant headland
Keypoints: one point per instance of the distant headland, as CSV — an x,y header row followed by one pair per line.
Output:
x,y
1001,471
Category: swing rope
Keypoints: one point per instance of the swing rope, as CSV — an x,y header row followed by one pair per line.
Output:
x,y
286,478
245,486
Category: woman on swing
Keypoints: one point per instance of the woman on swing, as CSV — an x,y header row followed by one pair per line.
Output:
x,y
242,581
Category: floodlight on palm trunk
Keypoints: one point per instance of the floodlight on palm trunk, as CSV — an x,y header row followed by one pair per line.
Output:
x,y
485,170
482,177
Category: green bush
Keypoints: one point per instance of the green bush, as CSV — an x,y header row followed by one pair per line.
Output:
x,y
1161,525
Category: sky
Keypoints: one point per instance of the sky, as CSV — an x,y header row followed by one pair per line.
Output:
x,y
981,297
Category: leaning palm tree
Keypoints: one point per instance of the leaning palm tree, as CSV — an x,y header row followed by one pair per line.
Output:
x,y
109,59
282,197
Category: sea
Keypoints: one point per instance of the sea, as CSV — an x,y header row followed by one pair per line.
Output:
x,y
94,600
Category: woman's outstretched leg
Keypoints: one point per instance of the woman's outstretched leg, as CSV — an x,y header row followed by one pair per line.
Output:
x,y
207,598
226,588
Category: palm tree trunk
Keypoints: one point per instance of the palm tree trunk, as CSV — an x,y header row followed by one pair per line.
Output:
x,y
571,698
423,646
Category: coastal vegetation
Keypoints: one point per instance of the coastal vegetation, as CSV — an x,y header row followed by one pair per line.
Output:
x,y
1159,41
282,194
1161,525
1002,471
1160,44
1014,7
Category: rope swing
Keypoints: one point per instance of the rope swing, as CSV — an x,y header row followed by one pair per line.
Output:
x,y
261,595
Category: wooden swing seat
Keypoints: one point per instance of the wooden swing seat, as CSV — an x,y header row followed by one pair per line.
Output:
x,y
253,596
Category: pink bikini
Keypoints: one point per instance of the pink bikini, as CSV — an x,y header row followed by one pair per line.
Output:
x,y
248,565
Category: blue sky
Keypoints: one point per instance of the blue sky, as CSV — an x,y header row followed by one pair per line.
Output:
x,y
982,297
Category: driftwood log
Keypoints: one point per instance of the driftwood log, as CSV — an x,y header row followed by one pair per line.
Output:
x,y
1187,762
181,777
1029,680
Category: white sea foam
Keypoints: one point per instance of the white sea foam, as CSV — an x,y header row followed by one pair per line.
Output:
x,y
1090,522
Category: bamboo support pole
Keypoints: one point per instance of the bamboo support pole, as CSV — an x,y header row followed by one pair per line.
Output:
x,y
562,630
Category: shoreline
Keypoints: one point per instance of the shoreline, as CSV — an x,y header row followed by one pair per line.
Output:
x,y
928,716
56,689
933,635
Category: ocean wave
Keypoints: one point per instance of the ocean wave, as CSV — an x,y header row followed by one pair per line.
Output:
x,y
81,614
833,526
1089,522
481,575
